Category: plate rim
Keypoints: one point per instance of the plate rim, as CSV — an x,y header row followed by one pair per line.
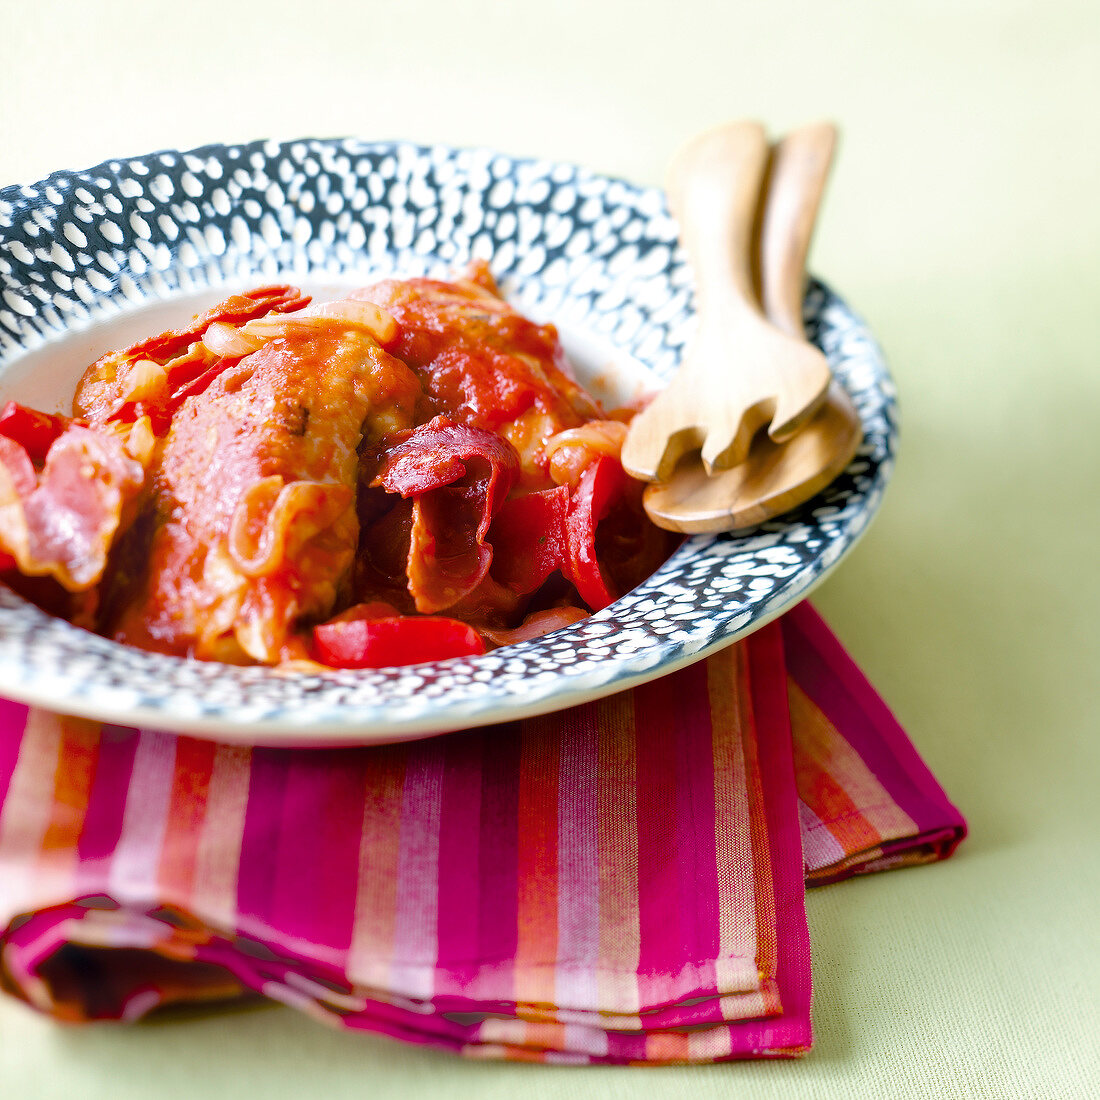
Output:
x,y
354,725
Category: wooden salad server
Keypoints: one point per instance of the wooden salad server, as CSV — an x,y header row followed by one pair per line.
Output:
x,y
739,370
775,477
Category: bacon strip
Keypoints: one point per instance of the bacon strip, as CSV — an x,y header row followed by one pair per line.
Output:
x,y
458,478
62,521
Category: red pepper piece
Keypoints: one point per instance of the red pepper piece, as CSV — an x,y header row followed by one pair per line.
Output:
x,y
599,487
34,431
400,640
529,540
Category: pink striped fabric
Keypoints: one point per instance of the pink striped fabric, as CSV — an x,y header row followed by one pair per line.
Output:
x,y
621,882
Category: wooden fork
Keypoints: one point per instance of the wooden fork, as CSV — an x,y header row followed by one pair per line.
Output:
x,y
739,371
775,477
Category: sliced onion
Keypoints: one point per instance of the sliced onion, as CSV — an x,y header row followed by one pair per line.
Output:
x,y
144,379
536,625
271,512
379,324
604,436
230,342
140,441
571,451
377,321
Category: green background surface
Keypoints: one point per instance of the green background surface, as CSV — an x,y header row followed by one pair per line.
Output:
x,y
963,222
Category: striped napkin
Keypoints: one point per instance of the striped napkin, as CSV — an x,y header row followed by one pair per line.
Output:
x,y
620,882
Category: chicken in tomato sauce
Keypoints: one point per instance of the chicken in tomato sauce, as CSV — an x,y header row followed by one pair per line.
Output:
x,y
409,473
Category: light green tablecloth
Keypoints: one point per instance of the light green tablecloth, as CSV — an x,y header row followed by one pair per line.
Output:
x,y
964,222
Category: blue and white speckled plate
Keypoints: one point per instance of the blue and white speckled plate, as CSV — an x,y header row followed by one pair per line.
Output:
x,y
93,260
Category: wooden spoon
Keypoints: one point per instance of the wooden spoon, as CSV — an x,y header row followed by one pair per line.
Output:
x,y
739,371
776,476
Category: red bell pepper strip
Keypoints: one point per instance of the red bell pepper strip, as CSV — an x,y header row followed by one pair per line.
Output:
x,y
34,431
529,540
600,485
400,640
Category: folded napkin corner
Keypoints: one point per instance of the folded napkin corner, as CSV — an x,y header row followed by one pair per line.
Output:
x,y
622,882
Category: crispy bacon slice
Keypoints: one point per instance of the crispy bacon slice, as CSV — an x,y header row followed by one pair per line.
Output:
x,y
441,453
458,477
448,558
61,521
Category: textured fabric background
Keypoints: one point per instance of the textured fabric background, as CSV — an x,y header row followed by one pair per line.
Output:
x,y
962,221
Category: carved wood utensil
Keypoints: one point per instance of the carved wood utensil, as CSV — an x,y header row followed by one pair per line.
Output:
x,y
740,371
774,477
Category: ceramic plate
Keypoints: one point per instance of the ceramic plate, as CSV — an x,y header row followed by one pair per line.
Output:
x,y
96,259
